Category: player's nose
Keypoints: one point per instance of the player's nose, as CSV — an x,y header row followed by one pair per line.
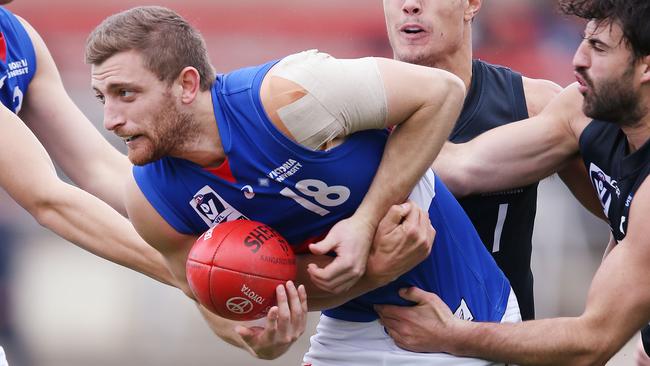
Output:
x,y
113,118
412,7
581,57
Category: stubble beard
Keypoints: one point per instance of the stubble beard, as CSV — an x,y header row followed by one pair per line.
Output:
x,y
614,101
171,131
420,57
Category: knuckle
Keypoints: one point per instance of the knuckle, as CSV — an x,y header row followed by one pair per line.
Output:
x,y
395,210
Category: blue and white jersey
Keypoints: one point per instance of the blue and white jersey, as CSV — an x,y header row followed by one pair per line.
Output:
x,y
303,193
17,61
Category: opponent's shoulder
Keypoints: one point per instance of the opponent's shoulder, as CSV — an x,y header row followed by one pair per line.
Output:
x,y
565,109
539,92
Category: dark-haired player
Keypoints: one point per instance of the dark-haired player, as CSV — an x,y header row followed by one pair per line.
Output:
x,y
605,117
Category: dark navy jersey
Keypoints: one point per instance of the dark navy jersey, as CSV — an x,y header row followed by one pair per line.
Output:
x,y
17,61
616,174
302,193
504,220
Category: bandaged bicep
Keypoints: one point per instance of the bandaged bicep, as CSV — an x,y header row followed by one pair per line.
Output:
x,y
343,96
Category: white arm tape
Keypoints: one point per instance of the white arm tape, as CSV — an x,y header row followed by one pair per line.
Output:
x,y
343,96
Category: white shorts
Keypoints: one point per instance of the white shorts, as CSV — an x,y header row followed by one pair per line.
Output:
x,y
343,343
3,358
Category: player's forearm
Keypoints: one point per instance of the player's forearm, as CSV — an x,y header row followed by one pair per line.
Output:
x,y
92,225
411,149
106,180
329,300
559,341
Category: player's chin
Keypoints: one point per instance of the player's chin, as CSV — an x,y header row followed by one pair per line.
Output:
x,y
141,156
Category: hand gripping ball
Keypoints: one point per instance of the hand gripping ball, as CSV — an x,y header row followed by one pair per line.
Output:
x,y
234,268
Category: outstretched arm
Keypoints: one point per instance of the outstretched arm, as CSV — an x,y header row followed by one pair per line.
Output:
x,y
516,154
618,305
539,93
29,177
74,143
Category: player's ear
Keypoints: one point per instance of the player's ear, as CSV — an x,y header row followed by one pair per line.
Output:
x,y
645,65
473,6
190,82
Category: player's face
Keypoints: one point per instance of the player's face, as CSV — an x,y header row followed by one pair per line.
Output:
x,y
422,31
140,109
608,77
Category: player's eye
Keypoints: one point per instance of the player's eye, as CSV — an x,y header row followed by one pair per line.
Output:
x,y
100,98
126,93
595,45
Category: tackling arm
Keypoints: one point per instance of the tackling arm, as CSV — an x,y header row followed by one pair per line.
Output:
x,y
539,93
29,177
76,146
404,238
518,153
424,117
618,305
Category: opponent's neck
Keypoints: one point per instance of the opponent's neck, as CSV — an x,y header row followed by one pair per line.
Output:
x,y
638,134
458,63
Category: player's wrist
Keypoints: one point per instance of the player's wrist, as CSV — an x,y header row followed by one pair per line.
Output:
x,y
459,334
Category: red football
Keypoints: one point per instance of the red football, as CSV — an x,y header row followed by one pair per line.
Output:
x,y
234,268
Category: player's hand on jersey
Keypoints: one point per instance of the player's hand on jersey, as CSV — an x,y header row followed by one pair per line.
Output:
x,y
403,239
420,328
642,358
350,239
285,322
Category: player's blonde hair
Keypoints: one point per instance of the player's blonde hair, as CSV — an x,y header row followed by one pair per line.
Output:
x,y
167,42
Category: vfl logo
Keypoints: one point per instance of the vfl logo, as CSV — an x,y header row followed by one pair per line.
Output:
x,y
463,311
604,186
239,305
212,208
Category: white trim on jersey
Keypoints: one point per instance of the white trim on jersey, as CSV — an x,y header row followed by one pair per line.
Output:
x,y
424,191
3,358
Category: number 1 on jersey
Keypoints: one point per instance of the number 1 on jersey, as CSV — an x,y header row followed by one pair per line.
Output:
x,y
501,219
320,192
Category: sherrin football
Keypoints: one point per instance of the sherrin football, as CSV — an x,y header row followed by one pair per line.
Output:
x,y
234,268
